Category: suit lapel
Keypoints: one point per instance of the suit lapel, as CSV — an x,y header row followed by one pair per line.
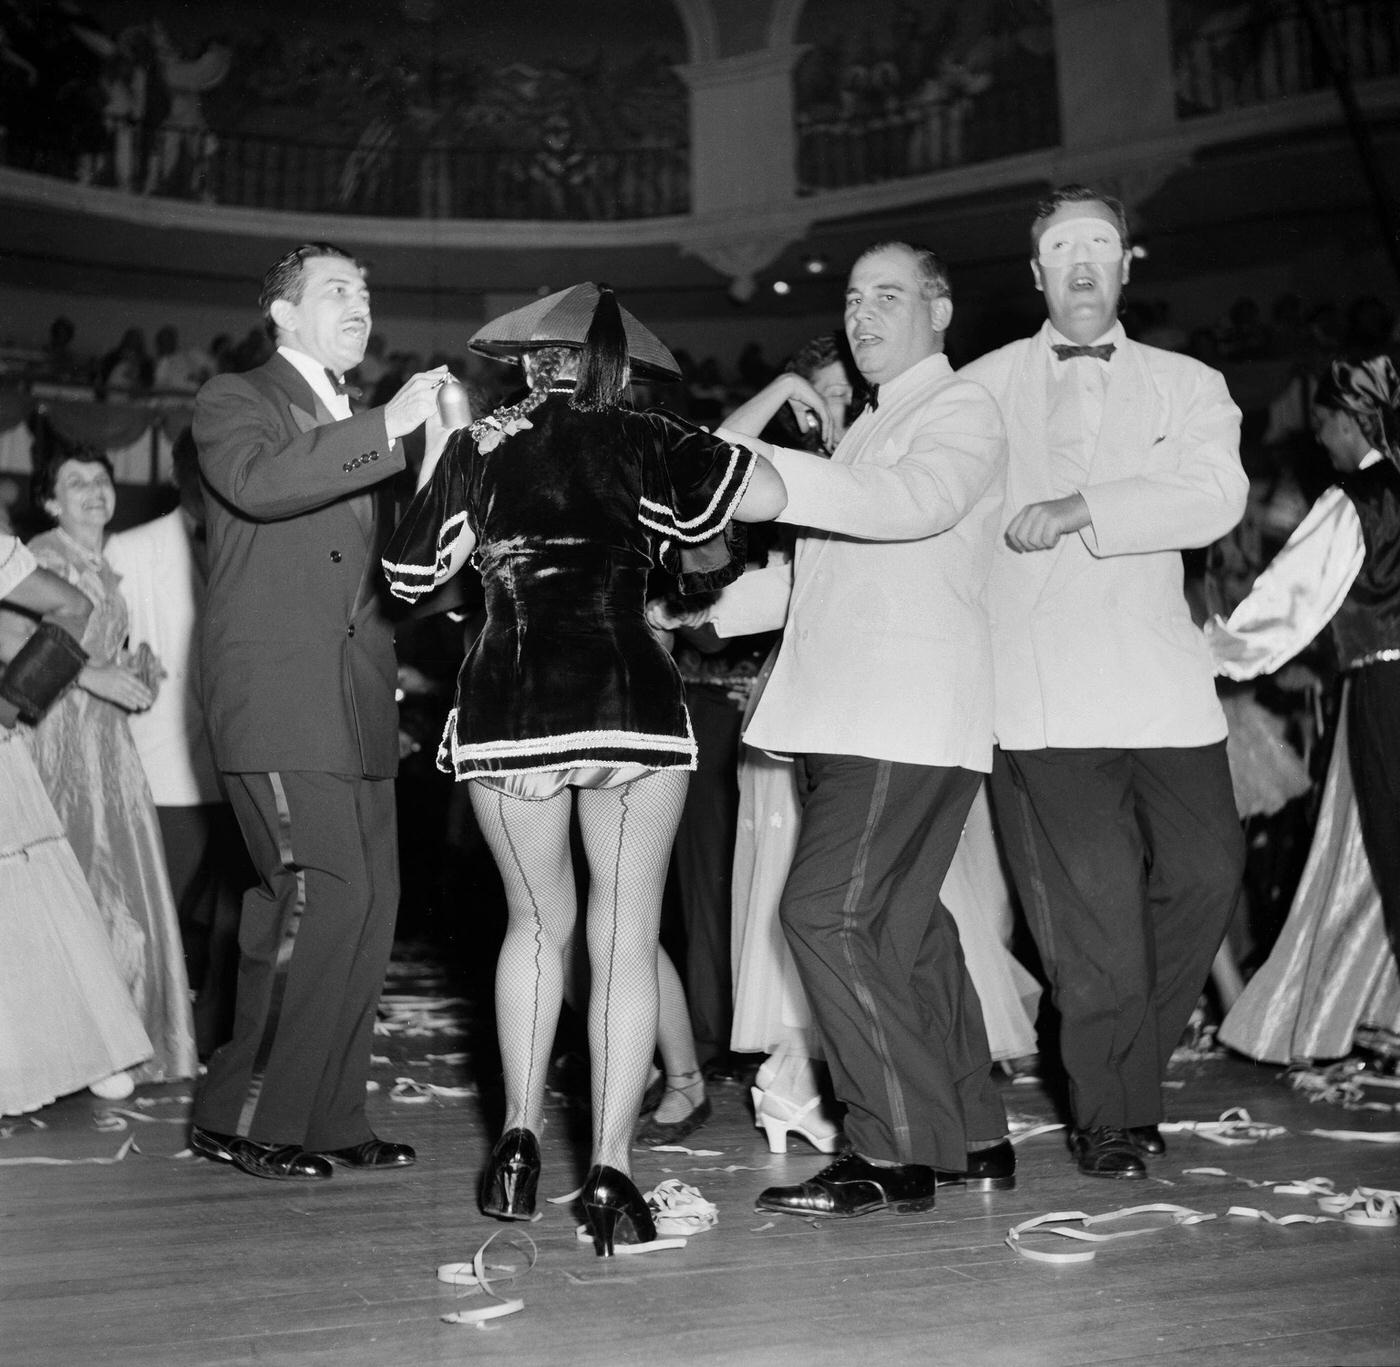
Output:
x,y
812,543
1130,408
1026,422
308,412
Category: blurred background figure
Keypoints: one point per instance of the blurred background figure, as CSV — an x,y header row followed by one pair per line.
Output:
x,y
1330,972
163,568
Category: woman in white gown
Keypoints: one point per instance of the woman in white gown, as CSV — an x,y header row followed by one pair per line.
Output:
x,y
66,1019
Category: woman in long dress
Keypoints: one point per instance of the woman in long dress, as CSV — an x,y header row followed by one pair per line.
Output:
x,y
84,753
568,702
66,1021
1334,966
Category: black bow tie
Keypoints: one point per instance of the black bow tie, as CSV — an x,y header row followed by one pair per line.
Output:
x,y
338,384
1101,353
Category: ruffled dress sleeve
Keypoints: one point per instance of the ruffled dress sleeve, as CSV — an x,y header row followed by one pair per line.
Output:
x,y
696,483
416,556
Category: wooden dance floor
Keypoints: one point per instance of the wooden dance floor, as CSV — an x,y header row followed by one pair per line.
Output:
x,y
163,1260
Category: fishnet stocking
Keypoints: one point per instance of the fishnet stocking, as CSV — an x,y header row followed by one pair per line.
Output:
x,y
530,844
627,833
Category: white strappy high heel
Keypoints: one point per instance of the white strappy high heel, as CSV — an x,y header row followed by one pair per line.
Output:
x,y
778,1117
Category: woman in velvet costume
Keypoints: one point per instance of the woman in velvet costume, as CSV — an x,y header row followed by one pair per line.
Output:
x,y
564,502
1331,970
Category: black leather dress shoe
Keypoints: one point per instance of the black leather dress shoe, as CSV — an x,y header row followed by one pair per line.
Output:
x,y
989,1169
1146,1139
1106,1151
851,1186
277,1162
373,1153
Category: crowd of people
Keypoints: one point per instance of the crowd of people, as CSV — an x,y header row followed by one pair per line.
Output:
x,y
950,705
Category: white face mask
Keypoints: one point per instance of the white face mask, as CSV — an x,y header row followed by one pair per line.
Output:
x,y
1079,239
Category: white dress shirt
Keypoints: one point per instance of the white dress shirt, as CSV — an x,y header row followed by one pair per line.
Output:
x,y
337,405
1074,401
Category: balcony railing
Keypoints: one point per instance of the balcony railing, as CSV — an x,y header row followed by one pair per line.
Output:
x,y
1229,63
926,135
378,179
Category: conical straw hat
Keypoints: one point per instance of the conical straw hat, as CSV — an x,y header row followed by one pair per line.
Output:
x,y
563,319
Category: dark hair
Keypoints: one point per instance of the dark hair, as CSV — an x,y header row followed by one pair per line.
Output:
x,y
603,371
827,348
929,268
284,278
545,365
46,476
1077,194
1369,391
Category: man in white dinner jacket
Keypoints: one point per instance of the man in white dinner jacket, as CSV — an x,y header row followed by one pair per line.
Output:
x,y
1110,783
882,695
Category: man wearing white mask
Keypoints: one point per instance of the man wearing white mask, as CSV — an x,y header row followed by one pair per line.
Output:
x,y
1110,781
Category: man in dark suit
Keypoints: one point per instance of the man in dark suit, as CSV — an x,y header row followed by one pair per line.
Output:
x,y
300,676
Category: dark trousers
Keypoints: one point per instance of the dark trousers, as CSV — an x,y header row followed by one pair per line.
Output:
x,y
209,872
1373,725
315,938
703,867
880,959
1128,865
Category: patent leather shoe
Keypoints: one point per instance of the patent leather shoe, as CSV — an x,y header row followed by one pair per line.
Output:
x,y
1106,1151
1146,1139
512,1177
990,1169
607,1196
277,1162
373,1153
853,1186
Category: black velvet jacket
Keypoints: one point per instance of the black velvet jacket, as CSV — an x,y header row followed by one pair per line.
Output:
x,y
570,514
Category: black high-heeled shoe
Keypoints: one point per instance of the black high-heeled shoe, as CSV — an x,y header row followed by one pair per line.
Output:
x,y
512,1177
607,1195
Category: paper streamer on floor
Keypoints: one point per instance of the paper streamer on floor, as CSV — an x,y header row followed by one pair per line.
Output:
x,y
1364,1207
475,1277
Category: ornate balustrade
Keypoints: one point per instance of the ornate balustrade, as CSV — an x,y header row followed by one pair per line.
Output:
x,y
1244,57
378,178
924,135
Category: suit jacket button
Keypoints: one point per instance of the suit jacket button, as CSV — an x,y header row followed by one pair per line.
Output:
x,y
374,455
347,467
335,557
350,630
